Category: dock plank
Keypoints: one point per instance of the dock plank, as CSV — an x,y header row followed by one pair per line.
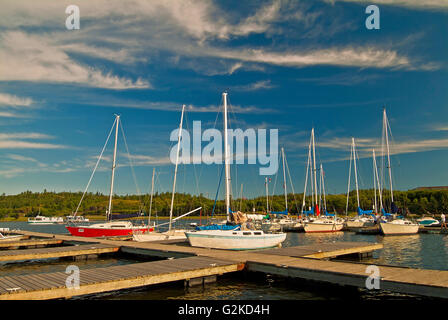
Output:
x,y
135,275
56,252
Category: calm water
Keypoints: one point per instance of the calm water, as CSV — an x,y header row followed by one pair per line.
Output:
x,y
425,251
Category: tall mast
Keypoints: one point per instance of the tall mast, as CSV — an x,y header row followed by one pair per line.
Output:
x,y
152,193
306,176
349,178
175,170
267,194
374,180
284,180
241,196
323,186
380,191
226,157
314,166
356,173
388,153
109,211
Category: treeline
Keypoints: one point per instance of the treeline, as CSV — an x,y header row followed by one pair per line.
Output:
x,y
418,202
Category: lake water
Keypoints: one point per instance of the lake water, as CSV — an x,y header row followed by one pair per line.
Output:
x,y
425,251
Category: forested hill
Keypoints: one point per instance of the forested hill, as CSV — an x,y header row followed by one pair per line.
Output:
x,y
64,203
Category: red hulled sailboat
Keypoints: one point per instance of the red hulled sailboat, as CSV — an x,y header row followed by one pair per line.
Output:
x,y
109,228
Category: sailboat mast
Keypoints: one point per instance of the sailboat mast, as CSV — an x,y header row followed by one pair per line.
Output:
x,y
284,180
241,196
109,211
356,172
175,169
226,157
388,153
267,194
323,186
380,191
374,181
152,193
314,166
306,176
349,178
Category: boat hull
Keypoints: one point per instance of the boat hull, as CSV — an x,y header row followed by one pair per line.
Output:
x,y
92,232
323,227
388,228
231,240
159,236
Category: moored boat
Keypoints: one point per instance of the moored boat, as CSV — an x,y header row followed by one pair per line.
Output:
x,y
238,238
42,220
324,224
394,225
428,222
109,228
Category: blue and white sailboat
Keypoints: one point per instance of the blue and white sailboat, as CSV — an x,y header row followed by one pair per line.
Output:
x,y
236,239
394,225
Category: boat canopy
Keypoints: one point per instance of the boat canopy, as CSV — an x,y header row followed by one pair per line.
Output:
x,y
329,214
219,227
309,211
361,212
280,212
384,213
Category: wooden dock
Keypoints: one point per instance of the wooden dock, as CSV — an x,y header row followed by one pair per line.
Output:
x,y
186,262
57,252
53,285
29,243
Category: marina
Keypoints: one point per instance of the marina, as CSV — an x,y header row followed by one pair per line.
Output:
x,y
197,266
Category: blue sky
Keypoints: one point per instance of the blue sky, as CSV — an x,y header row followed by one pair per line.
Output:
x,y
287,65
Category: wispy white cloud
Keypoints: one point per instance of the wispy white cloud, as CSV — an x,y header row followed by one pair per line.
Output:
x,y
27,57
18,141
14,101
262,84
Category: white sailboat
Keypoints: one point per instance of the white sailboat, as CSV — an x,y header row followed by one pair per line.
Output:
x,y
325,223
171,234
236,239
364,218
395,225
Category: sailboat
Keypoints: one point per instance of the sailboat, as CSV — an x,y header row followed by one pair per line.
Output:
x,y
395,225
109,228
285,221
171,234
327,222
364,217
238,238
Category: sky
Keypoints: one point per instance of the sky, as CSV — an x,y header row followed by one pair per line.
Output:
x,y
286,65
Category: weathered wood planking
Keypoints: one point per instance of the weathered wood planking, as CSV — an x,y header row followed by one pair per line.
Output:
x,y
56,252
324,250
433,283
28,243
53,285
290,262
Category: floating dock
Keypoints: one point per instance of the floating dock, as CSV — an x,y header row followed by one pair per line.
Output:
x,y
57,252
196,264
53,285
